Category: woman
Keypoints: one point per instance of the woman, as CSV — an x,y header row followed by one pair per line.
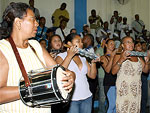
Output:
x,y
144,94
82,97
109,79
55,45
23,26
43,43
128,69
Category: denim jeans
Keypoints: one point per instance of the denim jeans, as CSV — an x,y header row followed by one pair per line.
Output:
x,y
111,95
81,106
144,96
102,98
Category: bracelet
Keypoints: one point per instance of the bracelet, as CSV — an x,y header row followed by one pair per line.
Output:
x,y
119,64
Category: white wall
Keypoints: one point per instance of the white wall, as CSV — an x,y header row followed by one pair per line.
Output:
x,y
104,8
46,8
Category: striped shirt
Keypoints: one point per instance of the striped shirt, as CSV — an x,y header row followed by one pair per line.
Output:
x,y
30,62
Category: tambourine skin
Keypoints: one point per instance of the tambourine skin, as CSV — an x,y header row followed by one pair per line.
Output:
x,y
43,91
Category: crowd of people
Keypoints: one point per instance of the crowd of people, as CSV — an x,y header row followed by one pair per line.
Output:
x,y
122,78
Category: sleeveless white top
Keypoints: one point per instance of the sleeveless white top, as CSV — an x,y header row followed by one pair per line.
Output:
x,y
31,62
82,90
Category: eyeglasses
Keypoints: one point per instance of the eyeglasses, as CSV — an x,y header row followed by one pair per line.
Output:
x,y
128,42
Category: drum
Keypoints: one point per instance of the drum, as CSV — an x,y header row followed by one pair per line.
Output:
x,y
46,88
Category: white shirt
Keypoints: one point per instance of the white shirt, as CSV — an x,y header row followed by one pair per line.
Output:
x,y
82,90
138,26
122,27
59,32
103,34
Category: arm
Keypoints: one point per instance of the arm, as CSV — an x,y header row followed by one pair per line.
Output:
x,y
116,64
7,93
145,65
135,30
92,70
48,59
91,20
107,65
70,53
70,76
53,19
64,18
101,21
118,60
112,20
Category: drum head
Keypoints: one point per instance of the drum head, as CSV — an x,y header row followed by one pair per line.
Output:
x,y
59,76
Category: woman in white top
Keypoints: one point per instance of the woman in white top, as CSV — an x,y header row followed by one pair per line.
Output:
x,y
23,26
82,97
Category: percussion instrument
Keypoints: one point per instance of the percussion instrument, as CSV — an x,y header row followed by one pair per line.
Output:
x,y
85,53
46,88
135,53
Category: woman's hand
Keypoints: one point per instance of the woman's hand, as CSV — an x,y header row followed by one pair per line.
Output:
x,y
72,51
125,55
68,80
53,54
147,57
113,53
97,59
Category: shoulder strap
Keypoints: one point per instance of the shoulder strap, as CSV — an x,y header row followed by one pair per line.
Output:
x,y
37,55
63,33
42,32
24,73
139,23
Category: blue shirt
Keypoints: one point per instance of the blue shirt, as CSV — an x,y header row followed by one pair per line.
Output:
x,y
39,31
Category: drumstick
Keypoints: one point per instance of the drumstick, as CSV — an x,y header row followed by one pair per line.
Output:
x,y
68,46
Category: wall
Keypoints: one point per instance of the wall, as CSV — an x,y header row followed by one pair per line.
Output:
x,y
104,8
46,8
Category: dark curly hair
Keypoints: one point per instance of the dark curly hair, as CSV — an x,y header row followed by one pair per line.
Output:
x,y
13,10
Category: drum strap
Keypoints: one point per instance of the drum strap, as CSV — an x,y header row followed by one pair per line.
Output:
x,y
24,73
37,56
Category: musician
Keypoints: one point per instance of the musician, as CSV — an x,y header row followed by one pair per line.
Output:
x,y
128,69
82,97
23,26
144,95
109,79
